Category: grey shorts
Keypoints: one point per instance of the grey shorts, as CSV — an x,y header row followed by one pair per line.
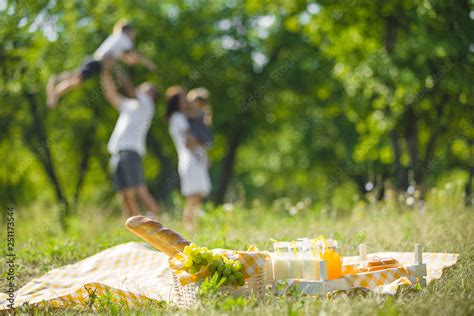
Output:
x,y
127,171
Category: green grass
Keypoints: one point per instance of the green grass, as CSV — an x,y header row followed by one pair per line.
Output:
x,y
444,225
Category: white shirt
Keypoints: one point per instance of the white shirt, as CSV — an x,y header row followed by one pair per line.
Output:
x,y
114,46
132,125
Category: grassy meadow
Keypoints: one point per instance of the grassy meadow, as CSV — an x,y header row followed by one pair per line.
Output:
x,y
442,224
318,106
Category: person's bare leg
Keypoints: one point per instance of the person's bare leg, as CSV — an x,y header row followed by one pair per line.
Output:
x,y
148,200
129,204
64,75
53,79
69,81
190,211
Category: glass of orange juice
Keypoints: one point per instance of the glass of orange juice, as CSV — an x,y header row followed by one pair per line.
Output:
x,y
328,251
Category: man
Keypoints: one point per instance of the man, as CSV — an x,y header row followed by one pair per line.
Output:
x,y
127,143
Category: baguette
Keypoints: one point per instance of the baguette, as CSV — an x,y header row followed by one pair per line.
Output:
x,y
160,237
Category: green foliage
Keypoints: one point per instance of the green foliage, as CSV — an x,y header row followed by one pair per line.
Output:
x,y
209,288
307,96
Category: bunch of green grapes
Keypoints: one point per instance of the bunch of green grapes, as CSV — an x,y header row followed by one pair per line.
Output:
x,y
228,270
197,257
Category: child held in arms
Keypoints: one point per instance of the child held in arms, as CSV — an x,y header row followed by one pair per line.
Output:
x,y
118,46
200,116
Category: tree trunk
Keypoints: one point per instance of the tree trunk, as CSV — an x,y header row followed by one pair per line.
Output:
x,y
168,179
411,136
431,144
41,148
82,170
400,174
86,149
228,164
389,45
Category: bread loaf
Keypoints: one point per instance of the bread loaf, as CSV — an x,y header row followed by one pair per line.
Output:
x,y
376,264
383,267
380,262
160,237
373,263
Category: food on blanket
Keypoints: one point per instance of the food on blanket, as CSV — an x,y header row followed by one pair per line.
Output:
x,y
373,263
236,266
160,237
390,261
380,262
377,264
383,267
227,270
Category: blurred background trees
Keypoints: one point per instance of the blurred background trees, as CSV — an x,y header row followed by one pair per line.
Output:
x,y
311,99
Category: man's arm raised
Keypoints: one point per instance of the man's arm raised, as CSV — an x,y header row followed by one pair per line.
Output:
x,y
125,82
133,57
148,63
108,85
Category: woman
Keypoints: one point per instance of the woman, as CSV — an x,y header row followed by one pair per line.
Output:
x,y
192,156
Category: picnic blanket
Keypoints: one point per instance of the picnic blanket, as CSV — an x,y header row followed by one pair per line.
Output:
x,y
134,273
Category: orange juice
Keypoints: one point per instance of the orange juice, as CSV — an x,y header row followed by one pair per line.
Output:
x,y
333,262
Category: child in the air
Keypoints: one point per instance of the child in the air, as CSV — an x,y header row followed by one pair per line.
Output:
x,y
119,45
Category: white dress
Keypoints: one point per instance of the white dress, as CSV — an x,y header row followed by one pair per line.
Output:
x,y
192,165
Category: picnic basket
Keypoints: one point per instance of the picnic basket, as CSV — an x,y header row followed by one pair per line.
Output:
x,y
186,296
